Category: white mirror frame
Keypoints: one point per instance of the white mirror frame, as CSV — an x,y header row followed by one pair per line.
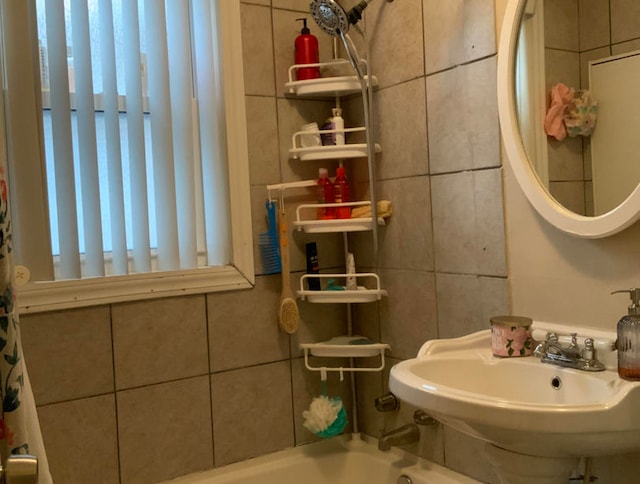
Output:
x,y
599,226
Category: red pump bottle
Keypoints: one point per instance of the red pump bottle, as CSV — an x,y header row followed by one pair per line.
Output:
x,y
341,193
306,52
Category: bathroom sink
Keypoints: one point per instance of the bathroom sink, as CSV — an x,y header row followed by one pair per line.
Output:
x,y
521,404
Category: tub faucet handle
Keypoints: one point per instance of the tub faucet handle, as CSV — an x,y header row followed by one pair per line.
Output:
x,y
387,403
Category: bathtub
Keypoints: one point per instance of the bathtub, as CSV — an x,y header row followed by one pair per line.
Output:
x,y
334,461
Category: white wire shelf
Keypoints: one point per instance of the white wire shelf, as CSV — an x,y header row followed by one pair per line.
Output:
x,y
326,86
306,223
328,152
362,294
340,347
345,347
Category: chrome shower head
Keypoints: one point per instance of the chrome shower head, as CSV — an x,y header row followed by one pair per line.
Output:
x,y
332,18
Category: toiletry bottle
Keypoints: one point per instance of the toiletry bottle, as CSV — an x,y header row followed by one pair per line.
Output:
x,y
351,271
325,195
341,193
306,52
628,343
313,266
337,123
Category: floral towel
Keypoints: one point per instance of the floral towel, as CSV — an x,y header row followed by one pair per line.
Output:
x,y
19,426
581,114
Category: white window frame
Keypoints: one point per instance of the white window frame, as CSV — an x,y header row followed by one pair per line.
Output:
x,y
55,295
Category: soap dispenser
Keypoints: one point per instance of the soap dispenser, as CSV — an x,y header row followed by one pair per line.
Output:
x,y
306,52
628,343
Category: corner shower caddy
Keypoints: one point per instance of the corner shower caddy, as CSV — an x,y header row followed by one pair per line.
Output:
x,y
341,346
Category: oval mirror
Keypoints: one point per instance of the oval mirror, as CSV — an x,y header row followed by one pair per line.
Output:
x,y
583,177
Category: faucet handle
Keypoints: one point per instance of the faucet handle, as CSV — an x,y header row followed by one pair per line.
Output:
x,y
574,340
589,349
551,337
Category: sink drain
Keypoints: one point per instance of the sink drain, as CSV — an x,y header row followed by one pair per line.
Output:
x,y
556,383
404,479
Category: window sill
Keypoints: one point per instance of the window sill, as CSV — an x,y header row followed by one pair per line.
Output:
x,y
56,295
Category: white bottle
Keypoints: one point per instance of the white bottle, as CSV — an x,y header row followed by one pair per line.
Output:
x,y
337,123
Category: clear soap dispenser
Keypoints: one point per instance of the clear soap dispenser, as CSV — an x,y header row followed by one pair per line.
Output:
x,y
628,343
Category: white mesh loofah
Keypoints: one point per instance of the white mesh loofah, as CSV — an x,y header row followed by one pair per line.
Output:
x,y
322,412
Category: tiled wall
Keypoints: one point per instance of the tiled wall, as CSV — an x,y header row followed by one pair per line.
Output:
x,y
140,392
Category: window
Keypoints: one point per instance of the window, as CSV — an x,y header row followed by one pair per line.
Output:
x,y
138,184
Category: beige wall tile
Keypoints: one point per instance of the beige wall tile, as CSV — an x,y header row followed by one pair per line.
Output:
x,y
252,412
370,386
395,38
620,468
463,118
257,2
257,50
625,47
243,326
262,133
561,66
561,25
406,241
165,430
457,31
68,353
594,24
401,125
81,440
624,20
408,315
468,223
565,159
570,194
466,303
160,340
301,5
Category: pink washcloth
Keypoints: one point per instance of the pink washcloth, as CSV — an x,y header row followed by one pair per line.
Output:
x,y
561,96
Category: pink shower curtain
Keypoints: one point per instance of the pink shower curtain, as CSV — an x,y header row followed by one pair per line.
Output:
x,y
19,426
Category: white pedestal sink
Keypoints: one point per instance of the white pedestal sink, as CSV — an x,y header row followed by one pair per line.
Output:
x,y
521,404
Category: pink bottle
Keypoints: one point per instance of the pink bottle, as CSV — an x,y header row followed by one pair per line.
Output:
x,y
341,193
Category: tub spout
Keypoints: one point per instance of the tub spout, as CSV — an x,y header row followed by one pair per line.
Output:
x,y
406,434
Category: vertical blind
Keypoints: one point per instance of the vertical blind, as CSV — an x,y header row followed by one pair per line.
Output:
x,y
133,136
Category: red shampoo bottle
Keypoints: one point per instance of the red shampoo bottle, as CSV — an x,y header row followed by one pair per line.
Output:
x,y
341,193
325,195
306,52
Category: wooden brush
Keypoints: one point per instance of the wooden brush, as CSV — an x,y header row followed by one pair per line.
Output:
x,y
289,317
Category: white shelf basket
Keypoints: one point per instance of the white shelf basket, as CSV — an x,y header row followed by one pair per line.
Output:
x,y
310,225
343,347
328,152
325,86
360,295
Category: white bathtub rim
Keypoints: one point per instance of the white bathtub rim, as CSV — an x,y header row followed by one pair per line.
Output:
x,y
281,458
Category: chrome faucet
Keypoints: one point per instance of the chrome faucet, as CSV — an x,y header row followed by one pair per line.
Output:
x,y
553,352
407,434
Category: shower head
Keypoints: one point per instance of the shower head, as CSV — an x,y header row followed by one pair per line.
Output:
x,y
332,18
